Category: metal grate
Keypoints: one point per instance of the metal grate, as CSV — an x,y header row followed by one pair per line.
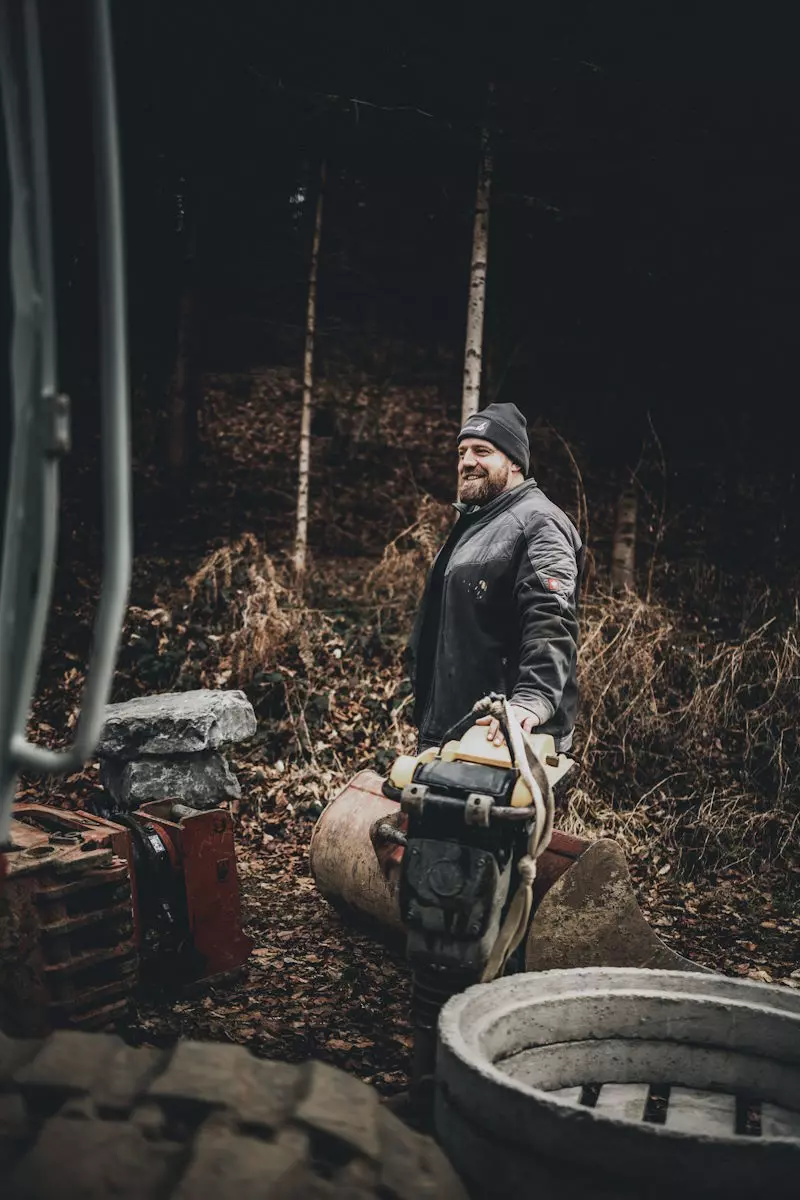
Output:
x,y
686,1110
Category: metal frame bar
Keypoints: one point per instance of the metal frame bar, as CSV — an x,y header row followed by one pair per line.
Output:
x,y
32,500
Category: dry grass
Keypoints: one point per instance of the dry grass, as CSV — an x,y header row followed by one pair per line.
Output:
x,y
393,587
264,615
687,741
267,636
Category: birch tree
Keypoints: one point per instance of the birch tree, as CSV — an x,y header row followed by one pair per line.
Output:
x,y
301,535
473,354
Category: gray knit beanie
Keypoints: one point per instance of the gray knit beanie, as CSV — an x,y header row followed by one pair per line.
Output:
x,y
505,427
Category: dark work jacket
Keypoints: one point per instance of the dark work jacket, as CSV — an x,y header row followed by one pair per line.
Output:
x,y
499,614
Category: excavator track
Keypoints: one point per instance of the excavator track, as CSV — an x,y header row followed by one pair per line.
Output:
x,y
83,1116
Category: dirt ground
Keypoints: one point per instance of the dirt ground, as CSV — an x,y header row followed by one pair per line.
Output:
x,y
330,697
317,986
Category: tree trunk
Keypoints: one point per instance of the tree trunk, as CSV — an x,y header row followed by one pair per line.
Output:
x,y
301,535
473,355
623,558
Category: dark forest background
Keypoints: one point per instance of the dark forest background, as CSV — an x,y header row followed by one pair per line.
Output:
x,y
644,246
642,310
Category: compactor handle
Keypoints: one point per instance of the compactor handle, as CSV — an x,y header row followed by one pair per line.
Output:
x,y
479,709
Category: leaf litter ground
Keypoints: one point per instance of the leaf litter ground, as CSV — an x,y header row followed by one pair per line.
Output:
x,y
331,699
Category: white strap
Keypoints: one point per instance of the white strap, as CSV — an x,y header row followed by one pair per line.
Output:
x,y
533,773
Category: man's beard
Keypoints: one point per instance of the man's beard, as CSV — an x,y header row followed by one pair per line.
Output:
x,y
481,486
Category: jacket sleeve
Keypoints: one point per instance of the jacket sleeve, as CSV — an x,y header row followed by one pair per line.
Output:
x,y
545,594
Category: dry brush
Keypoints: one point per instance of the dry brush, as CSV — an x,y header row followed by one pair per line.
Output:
x,y
687,741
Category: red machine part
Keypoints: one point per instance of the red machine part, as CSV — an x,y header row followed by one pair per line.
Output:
x,y
87,824
202,849
72,917
68,952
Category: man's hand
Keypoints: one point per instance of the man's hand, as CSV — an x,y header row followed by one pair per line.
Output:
x,y
527,720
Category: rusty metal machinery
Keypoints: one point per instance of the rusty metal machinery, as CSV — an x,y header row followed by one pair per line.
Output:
x,y
203,935
90,906
68,944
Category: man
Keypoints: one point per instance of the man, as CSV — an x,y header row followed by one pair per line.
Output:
x,y
499,612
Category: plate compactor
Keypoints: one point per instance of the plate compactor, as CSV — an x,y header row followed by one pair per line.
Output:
x,y
456,850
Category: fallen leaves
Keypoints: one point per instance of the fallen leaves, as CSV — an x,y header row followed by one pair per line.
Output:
x,y
313,986
728,921
340,702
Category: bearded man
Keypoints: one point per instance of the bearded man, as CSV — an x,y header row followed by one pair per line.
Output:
x,y
499,611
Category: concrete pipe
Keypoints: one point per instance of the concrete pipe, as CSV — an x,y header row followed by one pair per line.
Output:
x,y
621,1084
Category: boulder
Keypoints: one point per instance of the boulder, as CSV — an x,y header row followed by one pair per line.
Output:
x,y
200,780
176,723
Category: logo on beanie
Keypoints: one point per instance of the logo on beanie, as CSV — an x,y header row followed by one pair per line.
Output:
x,y
478,427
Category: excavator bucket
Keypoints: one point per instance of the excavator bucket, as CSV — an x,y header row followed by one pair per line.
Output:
x,y
589,917
585,909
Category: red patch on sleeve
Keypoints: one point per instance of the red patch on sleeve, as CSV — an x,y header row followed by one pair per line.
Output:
x,y
553,584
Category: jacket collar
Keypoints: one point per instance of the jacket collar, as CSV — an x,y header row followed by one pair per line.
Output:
x,y
499,504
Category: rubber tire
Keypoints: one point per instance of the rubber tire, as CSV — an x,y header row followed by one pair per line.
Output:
x,y
84,1117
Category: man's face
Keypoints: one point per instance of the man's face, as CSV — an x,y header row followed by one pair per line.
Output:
x,y
483,471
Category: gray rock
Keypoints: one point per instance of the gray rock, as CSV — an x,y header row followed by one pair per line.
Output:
x,y
176,723
201,780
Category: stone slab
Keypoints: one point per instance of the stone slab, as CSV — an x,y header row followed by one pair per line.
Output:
x,y
200,780
126,1075
176,723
